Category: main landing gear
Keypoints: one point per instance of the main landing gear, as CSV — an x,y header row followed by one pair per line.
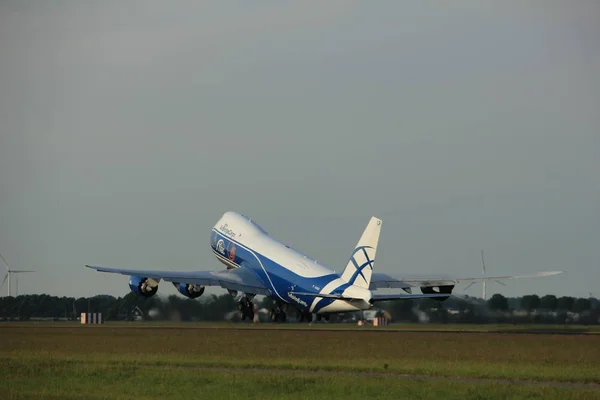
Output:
x,y
307,316
303,316
246,307
319,317
278,312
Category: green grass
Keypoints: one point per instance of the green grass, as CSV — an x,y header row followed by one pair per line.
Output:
x,y
111,382
61,361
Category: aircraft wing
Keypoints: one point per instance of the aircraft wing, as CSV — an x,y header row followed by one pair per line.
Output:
x,y
240,279
384,281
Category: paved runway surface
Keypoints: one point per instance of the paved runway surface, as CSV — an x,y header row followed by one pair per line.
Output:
x,y
324,328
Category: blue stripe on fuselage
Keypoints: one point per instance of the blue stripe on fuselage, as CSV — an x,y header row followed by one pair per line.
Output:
x,y
275,276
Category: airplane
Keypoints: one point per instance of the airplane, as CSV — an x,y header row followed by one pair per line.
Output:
x,y
258,264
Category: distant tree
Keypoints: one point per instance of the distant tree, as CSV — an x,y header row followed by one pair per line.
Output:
x,y
400,310
404,310
497,302
530,302
214,308
582,304
513,302
549,302
565,303
221,305
461,305
427,304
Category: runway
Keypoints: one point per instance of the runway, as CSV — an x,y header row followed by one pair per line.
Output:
x,y
554,330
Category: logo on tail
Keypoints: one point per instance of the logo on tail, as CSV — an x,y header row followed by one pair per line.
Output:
x,y
360,266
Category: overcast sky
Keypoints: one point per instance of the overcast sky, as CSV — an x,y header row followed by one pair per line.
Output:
x,y
128,128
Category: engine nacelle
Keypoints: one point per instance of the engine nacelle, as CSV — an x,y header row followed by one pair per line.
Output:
x,y
189,290
146,287
440,289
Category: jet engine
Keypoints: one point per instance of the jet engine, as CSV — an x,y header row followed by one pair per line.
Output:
x,y
189,290
440,289
146,287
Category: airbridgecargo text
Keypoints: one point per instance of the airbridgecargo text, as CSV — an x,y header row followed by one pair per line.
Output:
x,y
297,299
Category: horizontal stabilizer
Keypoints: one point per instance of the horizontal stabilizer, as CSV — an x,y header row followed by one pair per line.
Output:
x,y
325,296
376,297
386,281
400,296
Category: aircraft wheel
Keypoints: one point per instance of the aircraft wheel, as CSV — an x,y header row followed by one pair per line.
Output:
x,y
307,316
278,315
246,308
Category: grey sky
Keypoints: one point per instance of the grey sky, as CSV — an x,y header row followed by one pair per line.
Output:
x,y
128,128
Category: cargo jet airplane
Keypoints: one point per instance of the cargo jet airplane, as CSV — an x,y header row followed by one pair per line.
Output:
x,y
257,263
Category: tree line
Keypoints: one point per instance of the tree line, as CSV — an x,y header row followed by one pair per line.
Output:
x,y
497,309
548,309
547,303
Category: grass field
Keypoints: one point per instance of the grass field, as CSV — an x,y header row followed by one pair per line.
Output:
x,y
63,361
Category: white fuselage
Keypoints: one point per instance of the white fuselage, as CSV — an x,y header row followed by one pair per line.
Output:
x,y
238,242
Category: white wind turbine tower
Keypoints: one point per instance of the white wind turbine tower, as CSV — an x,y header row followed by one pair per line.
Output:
x,y
9,272
483,295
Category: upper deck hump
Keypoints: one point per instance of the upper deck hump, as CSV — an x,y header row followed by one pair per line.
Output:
x,y
237,225
244,230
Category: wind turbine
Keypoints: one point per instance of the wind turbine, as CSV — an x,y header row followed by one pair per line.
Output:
x,y
484,281
9,271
